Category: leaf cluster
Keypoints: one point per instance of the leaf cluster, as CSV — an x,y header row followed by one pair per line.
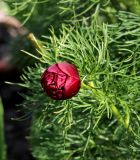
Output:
x,y
39,15
102,121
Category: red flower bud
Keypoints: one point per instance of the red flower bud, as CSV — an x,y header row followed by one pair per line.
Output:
x,y
61,81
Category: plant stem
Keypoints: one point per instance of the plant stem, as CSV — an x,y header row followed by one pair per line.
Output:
x,y
2,143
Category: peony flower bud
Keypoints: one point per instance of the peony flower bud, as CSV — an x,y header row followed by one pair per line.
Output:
x,y
61,81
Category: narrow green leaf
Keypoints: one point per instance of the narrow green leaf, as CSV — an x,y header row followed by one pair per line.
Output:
x,y
2,143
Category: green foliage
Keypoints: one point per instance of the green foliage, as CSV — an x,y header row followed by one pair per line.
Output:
x,y
39,15
2,141
133,6
102,121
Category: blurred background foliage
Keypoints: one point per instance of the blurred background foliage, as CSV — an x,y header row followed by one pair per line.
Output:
x,y
40,16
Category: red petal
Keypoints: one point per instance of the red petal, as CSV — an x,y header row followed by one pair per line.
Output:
x,y
72,87
68,69
55,69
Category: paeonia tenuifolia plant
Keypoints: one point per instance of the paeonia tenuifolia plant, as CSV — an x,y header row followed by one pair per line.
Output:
x,y
61,81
